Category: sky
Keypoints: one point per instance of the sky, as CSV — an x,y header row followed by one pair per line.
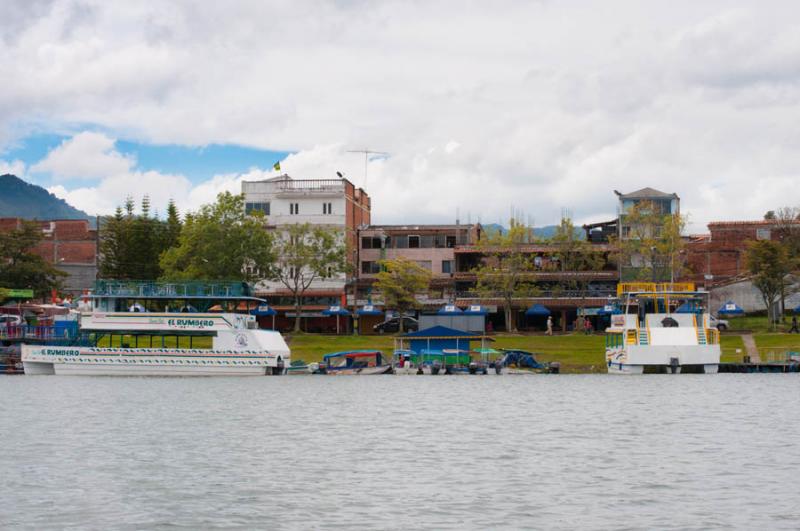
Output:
x,y
484,108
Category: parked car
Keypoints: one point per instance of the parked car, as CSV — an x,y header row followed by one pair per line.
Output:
x,y
393,325
10,320
719,324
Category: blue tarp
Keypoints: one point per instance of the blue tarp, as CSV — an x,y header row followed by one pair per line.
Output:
x,y
449,309
368,310
335,310
476,310
730,308
688,307
609,309
797,310
537,310
263,310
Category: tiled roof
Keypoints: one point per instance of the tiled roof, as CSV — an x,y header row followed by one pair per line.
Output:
x,y
648,193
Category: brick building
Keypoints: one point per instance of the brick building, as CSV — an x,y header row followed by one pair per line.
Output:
x,y
70,245
431,246
719,256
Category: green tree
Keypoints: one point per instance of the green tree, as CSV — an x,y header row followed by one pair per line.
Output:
x,y
506,268
399,281
131,244
20,267
172,228
651,246
112,246
221,242
306,253
574,254
769,264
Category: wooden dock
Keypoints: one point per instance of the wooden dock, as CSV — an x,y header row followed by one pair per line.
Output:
x,y
765,367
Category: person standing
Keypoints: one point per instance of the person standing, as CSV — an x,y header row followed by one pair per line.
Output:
x,y
587,326
549,325
794,325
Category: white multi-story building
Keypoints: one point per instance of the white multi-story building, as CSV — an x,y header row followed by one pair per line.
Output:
x,y
327,202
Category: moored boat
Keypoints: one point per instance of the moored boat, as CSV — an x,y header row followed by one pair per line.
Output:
x,y
663,328
142,343
352,362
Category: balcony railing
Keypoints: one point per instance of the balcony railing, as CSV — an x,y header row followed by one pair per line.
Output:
x,y
144,289
553,275
311,185
549,294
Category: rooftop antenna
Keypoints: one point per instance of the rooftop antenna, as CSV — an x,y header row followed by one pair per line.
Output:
x,y
367,153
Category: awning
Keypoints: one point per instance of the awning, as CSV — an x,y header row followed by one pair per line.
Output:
x,y
730,308
449,309
336,310
609,309
368,310
537,310
263,310
476,310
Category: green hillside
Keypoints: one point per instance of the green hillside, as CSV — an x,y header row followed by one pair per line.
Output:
x,y
19,199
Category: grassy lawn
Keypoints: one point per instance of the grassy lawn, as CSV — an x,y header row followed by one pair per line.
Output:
x,y
758,324
729,344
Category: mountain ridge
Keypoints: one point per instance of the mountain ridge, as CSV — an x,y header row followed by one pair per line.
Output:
x,y
21,199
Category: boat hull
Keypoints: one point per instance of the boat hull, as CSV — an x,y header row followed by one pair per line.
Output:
x,y
380,369
75,361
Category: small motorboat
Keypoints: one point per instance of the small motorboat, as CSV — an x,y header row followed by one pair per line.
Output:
x,y
515,361
404,363
355,362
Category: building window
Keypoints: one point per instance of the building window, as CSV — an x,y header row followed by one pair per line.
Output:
x,y
425,264
763,234
626,232
261,207
450,242
447,266
368,242
294,208
370,268
327,208
413,242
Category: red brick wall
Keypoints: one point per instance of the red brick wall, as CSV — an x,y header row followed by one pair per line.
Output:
x,y
64,241
722,255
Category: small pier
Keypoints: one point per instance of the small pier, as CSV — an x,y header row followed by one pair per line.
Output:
x,y
765,367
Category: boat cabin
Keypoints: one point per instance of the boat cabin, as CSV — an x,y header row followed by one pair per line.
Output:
x,y
354,359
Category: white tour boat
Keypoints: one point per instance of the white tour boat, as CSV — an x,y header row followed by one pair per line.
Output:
x,y
140,343
664,328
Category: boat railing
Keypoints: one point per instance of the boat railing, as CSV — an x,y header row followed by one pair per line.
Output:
x,y
36,332
144,289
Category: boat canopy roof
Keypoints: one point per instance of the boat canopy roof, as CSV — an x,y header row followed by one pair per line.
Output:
x,y
194,289
352,354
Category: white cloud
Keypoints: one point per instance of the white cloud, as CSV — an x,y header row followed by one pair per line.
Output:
x,y
14,167
87,155
538,105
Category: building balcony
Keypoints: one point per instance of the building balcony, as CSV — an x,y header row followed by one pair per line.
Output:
x,y
316,187
532,248
551,275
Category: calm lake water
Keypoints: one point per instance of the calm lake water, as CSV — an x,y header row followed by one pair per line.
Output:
x,y
391,452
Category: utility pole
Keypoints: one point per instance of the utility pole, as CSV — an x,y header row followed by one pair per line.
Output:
x,y
367,153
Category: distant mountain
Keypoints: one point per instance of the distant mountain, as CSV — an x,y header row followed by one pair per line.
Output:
x,y
543,233
19,199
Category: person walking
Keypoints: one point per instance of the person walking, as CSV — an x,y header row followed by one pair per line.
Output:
x,y
549,325
794,325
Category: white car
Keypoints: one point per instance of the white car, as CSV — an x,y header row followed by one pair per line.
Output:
x,y
719,324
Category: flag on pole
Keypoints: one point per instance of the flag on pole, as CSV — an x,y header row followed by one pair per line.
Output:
x,y
277,166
